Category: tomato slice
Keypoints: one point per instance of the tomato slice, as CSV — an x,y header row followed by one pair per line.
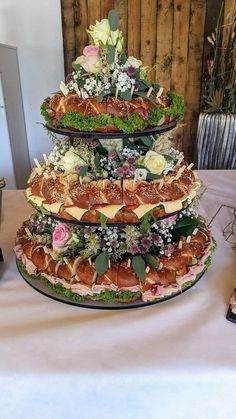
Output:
x,y
130,207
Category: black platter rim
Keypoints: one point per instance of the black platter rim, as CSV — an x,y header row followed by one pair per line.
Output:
x,y
112,135
117,224
97,305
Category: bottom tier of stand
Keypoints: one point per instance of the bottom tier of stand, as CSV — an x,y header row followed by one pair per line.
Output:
x,y
58,293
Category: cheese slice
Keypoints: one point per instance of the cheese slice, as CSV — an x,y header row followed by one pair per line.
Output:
x,y
55,207
144,208
110,210
28,192
172,206
36,200
76,212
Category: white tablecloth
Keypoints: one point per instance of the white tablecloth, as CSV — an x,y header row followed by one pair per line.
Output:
x,y
172,360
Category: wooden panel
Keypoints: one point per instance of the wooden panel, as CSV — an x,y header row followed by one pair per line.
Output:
x,y
180,45
94,11
194,69
81,24
165,15
148,33
121,6
105,6
68,33
134,27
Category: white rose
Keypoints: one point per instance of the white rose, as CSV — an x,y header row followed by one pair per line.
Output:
x,y
100,32
154,162
133,62
70,161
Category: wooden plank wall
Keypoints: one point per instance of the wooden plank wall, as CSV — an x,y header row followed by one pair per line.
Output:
x,y
165,34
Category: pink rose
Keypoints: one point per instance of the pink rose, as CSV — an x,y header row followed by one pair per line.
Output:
x,y
60,235
91,50
90,63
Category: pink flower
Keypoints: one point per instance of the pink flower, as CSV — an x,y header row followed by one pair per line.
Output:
x,y
111,154
170,219
131,160
91,50
90,63
60,235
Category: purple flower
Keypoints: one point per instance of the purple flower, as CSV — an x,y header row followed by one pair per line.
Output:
x,y
131,170
136,85
143,249
133,249
111,154
131,160
69,77
131,71
156,238
91,143
146,242
120,171
114,243
169,249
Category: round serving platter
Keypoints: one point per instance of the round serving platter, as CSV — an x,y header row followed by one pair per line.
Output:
x,y
117,224
42,288
112,135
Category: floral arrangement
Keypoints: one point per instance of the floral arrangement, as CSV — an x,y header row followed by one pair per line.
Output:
x,y
114,159
139,243
220,77
104,70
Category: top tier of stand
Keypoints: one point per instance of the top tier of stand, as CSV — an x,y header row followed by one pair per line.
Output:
x,y
112,135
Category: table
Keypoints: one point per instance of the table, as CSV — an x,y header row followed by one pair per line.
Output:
x,y
172,360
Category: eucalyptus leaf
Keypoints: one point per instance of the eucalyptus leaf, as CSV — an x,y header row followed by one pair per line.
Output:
x,y
97,160
167,157
151,261
101,263
111,51
125,95
153,176
83,171
113,19
139,267
123,58
148,141
100,97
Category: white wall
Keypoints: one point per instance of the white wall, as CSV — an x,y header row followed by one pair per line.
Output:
x,y
34,27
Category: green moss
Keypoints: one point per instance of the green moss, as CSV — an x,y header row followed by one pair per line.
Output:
x,y
177,108
43,111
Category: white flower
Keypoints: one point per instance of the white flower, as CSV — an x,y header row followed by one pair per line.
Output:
x,y
71,160
140,174
133,62
154,162
102,33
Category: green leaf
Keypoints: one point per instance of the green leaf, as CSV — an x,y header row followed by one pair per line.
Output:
x,y
83,171
151,261
148,141
111,54
100,149
125,95
167,157
76,67
156,87
153,176
101,263
139,267
185,226
113,19
123,58
100,97
97,160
